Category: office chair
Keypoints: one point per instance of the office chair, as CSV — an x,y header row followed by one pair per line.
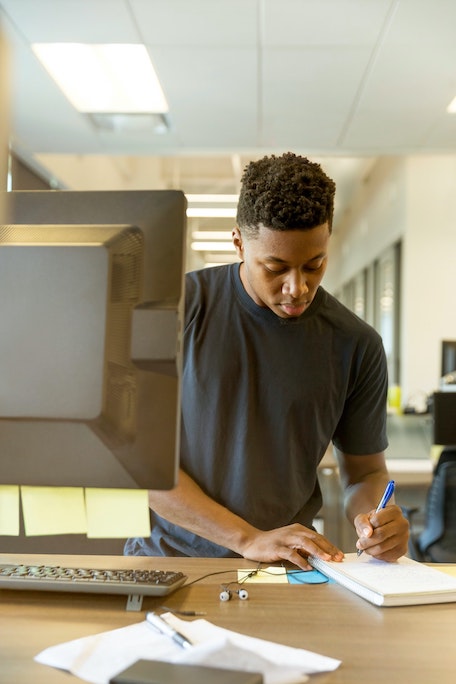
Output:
x,y
437,542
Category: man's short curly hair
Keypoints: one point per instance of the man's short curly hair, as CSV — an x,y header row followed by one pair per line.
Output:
x,y
284,193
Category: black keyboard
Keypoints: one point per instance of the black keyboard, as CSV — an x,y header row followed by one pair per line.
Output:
x,y
90,580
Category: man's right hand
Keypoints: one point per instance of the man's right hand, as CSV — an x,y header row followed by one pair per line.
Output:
x,y
293,543
188,506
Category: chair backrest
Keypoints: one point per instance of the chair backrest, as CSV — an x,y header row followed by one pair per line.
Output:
x,y
437,542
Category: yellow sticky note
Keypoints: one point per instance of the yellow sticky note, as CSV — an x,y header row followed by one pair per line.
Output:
x,y
53,510
436,450
447,569
9,510
117,513
271,575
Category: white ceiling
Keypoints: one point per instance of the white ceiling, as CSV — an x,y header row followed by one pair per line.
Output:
x,y
341,81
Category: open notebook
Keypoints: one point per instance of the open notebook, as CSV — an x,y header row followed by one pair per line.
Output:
x,y
403,583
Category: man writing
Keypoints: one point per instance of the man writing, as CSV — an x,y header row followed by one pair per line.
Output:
x,y
275,369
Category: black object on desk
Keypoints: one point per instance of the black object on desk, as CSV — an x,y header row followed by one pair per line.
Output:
x,y
160,672
444,414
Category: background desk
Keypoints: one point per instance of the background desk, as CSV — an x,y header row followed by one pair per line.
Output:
x,y
376,645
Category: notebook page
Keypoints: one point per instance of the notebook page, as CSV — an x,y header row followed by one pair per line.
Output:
x,y
377,580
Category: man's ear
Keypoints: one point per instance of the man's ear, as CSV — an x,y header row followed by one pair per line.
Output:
x,y
238,242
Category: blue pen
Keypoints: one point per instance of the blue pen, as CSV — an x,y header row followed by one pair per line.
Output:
x,y
387,494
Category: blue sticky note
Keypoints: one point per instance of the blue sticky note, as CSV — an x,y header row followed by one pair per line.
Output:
x,y
307,577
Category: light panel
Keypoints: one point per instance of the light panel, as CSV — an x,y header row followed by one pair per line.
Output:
x,y
207,198
451,109
211,212
104,78
212,246
211,234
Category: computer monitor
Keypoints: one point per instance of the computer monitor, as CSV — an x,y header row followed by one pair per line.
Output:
x,y
448,364
91,306
444,418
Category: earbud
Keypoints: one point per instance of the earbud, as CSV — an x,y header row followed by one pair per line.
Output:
x,y
226,594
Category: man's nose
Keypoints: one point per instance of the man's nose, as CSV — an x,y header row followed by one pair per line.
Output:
x,y
295,284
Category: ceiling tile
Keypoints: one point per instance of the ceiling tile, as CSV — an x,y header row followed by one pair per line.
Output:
x,y
310,104
323,22
197,22
89,21
211,93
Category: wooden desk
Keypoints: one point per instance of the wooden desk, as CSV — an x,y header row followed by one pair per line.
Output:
x,y
376,645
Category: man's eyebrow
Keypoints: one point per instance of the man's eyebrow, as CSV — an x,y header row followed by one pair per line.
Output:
x,y
278,260
322,255
275,259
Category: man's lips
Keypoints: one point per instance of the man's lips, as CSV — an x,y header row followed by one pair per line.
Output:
x,y
294,308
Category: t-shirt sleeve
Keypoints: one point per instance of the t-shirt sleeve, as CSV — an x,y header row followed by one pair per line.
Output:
x,y
362,426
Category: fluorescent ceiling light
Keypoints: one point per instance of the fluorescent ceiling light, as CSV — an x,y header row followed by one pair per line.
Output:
x,y
211,235
451,109
212,198
212,246
104,78
133,123
211,212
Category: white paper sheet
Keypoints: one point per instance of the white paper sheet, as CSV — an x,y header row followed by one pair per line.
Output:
x,y
97,658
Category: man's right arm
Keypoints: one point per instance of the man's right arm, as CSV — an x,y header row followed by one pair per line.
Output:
x,y
189,507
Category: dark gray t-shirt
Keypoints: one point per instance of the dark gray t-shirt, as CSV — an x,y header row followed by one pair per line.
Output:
x,y
262,398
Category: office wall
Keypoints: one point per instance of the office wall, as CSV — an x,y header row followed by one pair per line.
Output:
x,y
104,172
428,268
25,178
375,221
4,110
408,199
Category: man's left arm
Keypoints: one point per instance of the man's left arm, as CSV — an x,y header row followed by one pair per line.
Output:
x,y
385,534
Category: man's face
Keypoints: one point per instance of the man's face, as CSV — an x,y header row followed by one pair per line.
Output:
x,y
282,270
